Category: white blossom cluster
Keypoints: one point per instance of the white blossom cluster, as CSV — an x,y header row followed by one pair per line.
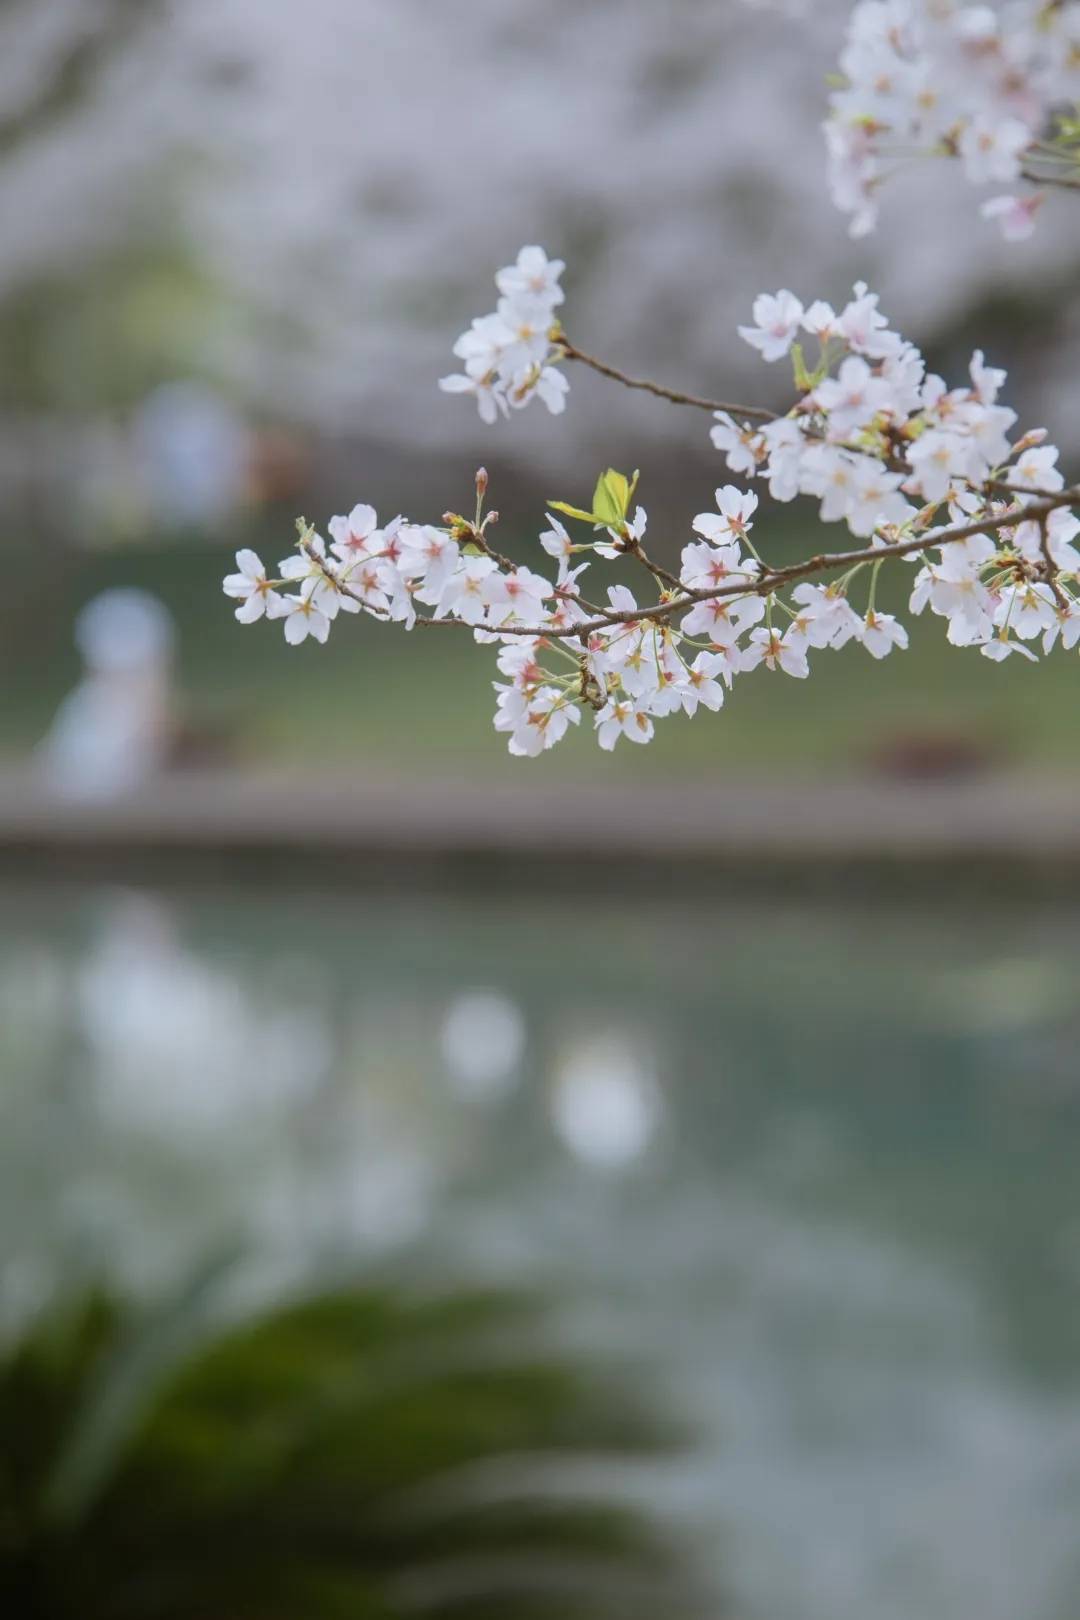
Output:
x,y
887,449
936,76
506,353
911,467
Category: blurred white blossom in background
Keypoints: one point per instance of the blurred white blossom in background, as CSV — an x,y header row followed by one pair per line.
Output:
x,y
351,168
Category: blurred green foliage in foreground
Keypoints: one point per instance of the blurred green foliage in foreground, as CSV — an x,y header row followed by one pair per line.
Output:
x,y
364,1454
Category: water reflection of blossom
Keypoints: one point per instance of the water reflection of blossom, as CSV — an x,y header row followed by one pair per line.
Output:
x,y
605,1099
177,1044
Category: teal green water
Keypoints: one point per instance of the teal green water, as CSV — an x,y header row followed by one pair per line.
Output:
x,y
814,1168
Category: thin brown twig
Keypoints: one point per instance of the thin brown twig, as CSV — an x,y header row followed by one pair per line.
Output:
x,y
1050,565
755,413
1020,489
480,540
1067,182
634,548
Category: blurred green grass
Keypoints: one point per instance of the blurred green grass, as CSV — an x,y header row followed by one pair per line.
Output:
x,y
381,701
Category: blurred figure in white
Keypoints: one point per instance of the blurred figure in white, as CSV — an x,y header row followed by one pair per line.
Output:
x,y
114,730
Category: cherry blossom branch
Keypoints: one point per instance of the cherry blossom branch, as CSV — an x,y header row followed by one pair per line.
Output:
x,y
764,585
755,413
751,413
884,447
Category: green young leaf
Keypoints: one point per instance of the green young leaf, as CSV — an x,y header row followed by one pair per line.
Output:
x,y
574,512
611,500
609,497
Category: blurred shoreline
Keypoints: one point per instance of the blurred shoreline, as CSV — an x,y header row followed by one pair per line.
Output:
x,y
339,828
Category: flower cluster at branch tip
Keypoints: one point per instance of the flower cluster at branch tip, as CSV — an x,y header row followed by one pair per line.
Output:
x,y
924,77
509,355
887,448
914,470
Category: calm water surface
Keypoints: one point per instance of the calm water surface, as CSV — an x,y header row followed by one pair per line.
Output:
x,y
815,1168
